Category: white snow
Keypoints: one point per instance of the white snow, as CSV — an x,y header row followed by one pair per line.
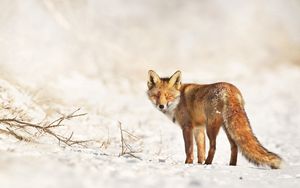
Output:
x,y
58,57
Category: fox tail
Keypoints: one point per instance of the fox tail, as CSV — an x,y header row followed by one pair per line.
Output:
x,y
239,129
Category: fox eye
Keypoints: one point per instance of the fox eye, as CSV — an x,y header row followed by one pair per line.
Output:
x,y
169,97
154,96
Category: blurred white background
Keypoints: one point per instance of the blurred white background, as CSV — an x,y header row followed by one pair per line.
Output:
x,y
42,39
59,55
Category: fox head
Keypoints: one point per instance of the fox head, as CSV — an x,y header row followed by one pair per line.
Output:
x,y
164,93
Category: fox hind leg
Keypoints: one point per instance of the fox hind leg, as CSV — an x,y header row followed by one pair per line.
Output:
x,y
212,130
234,150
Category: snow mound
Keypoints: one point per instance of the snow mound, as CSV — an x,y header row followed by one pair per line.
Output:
x,y
15,103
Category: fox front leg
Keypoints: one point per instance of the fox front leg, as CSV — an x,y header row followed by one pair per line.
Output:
x,y
188,143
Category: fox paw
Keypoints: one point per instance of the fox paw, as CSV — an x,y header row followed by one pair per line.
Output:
x,y
189,161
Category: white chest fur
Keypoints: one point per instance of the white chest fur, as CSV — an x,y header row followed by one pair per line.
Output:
x,y
170,113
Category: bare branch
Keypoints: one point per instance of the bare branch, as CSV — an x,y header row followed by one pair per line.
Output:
x,y
57,122
122,139
19,137
126,149
131,135
13,124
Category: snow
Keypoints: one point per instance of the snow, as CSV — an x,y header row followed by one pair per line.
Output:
x,y
97,60
46,164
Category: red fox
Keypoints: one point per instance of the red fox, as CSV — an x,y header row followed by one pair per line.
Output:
x,y
198,107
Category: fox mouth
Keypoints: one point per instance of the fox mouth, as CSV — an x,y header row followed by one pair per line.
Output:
x,y
170,106
164,111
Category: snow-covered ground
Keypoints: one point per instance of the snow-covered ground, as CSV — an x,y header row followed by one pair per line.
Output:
x,y
94,55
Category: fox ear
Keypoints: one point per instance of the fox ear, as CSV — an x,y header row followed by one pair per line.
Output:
x,y
175,80
153,78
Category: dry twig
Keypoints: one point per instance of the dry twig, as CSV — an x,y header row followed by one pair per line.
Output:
x,y
13,126
126,149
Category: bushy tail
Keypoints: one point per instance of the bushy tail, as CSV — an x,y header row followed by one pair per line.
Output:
x,y
238,127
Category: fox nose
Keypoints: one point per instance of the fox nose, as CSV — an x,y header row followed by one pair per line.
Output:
x,y
161,106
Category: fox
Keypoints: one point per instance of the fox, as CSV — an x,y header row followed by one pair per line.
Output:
x,y
200,108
